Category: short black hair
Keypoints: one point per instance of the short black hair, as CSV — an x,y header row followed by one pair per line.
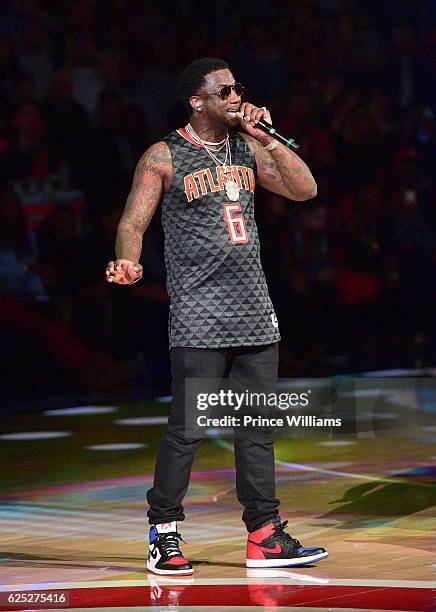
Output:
x,y
192,77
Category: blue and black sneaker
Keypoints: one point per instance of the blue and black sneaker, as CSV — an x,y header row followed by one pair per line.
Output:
x,y
164,554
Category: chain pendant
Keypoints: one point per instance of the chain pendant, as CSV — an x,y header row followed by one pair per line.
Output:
x,y
232,190
230,185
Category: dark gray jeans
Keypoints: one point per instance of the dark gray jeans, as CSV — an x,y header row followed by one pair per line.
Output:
x,y
254,454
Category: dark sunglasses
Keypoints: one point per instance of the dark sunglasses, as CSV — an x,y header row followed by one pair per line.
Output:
x,y
225,91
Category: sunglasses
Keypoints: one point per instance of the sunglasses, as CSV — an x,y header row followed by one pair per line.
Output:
x,y
226,90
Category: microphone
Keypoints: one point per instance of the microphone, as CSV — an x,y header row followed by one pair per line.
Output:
x,y
269,129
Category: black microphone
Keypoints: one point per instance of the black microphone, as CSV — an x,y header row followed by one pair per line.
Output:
x,y
268,128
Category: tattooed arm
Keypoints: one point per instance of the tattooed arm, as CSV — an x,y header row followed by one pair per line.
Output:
x,y
152,175
280,170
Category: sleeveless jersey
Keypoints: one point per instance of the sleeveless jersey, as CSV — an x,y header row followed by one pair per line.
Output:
x,y
217,288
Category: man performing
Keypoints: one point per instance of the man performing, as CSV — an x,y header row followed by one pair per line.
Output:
x,y
222,321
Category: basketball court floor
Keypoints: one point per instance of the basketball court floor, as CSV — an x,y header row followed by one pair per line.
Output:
x,y
73,530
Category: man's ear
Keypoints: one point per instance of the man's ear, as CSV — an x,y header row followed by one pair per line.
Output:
x,y
196,103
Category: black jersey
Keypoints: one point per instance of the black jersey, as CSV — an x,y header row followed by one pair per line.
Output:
x,y
217,288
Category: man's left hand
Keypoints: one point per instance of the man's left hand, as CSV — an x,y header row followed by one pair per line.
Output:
x,y
249,115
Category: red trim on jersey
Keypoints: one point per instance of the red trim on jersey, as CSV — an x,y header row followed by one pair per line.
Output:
x,y
187,137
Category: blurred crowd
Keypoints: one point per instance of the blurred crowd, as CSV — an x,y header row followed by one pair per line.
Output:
x,y
88,85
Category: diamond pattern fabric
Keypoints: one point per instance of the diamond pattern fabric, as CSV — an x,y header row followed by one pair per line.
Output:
x,y
217,288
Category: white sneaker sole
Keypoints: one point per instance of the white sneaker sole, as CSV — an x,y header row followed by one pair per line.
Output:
x,y
285,562
174,572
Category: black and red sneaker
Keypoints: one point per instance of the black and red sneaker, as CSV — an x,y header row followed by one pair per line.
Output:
x,y
164,554
270,546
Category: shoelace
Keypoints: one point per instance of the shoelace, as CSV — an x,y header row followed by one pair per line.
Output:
x,y
284,538
170,542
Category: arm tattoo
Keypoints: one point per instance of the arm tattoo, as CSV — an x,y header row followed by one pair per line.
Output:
x,y
160,156
283,172
151,168
283,165
143,199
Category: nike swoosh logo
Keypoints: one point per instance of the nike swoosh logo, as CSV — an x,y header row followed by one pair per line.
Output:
x,y
277,548
154,553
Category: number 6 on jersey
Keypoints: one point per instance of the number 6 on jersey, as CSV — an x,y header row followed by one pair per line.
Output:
x,y
235,223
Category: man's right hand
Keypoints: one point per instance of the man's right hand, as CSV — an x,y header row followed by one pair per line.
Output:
x,y
123,272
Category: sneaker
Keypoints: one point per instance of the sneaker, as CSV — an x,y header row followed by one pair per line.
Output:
x,y
164,554
270,546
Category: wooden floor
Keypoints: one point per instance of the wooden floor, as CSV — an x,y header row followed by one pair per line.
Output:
x,y
72,518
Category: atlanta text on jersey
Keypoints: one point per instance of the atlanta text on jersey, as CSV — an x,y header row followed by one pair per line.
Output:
x,y
201,182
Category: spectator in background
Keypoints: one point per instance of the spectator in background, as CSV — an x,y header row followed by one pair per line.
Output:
x,y
58,244
117,143
155,89
364,284
35,60
68,127
99,310
416,259
275,220
314,272
17,251
303,264
406,72
360,129
300,119
46,353
29,155
86,74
